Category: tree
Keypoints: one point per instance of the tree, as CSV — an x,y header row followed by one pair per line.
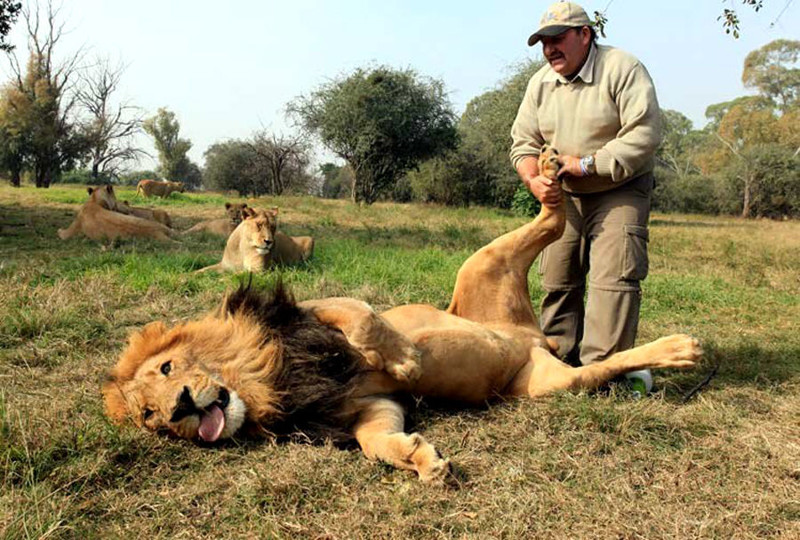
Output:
x,y
485,129
336,180
229,165
9,11
110,128
282,158
164,127
772,71
14,133
41,100
382,122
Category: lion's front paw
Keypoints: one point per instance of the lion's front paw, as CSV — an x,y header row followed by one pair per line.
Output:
x,y
435,473
406,367
677,351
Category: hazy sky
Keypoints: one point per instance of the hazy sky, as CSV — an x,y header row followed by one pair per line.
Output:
x,y
229,68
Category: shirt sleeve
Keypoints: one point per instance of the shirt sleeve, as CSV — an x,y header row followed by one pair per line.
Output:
x,y
526,139
639,135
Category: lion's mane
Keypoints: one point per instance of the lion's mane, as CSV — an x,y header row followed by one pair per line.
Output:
x,y
316,370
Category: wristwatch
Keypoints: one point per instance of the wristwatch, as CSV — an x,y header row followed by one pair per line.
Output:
x,y
587,165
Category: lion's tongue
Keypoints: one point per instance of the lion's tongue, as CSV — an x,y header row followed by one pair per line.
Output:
x,y
211,424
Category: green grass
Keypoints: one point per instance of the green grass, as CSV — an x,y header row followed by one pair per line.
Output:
x,y
722,465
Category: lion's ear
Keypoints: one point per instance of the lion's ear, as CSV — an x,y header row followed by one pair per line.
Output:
x,y
90,190
227,206
248,212
115,405
273,211
109,188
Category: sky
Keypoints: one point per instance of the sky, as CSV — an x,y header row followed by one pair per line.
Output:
x,y
228,69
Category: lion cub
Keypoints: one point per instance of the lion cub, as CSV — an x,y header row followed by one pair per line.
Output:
x,y
221,227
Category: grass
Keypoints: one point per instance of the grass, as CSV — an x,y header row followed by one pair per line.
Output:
x,y
723,465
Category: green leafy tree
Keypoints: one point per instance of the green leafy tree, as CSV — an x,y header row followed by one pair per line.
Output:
x,y
383,122
485,129
336,180
230,165
772,71
164,127
9,11
40,101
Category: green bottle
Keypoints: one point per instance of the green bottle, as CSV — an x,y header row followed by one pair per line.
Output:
x,y
641,382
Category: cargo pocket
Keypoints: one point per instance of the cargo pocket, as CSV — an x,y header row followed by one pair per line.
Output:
x,y
635,265
543,261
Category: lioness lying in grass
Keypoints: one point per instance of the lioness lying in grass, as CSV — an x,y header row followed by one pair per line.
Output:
x,y
332,368
100,218
221,227
256,245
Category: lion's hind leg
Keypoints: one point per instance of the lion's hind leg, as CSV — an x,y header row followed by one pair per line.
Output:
x,y
384,348
379,432
545,374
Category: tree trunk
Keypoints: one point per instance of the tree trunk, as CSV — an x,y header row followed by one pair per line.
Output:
x,y
748,181
95,171
15,178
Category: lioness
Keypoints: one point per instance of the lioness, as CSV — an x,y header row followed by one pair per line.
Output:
x,y
221,227
266,364
255,244
151,188
99,218
153,214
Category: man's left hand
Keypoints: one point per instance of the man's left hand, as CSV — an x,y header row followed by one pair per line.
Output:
x,y
570,165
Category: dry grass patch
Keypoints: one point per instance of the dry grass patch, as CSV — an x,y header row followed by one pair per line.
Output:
x,y
722,465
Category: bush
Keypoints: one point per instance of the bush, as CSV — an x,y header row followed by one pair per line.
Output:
x,y
84,176
692,193
524,203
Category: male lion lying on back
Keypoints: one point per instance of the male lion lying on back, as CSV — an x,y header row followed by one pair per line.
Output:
x,y
266,364
256,244
100,217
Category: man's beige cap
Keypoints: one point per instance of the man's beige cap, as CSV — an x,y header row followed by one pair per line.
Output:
x,y
559,18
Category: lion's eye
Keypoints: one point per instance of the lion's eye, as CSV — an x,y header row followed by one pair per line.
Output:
x,y
166,367
146,414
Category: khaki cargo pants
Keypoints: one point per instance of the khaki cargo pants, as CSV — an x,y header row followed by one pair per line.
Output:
x,y
605,237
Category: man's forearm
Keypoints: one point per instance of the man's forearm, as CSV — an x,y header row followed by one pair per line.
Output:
x,y
527,169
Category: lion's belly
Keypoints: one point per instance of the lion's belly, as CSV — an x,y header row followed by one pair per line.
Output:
x,y
461,360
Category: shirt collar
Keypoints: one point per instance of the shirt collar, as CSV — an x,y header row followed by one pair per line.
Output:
x,y
586,73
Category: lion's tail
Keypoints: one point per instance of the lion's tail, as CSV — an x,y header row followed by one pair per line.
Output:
x,y
213,268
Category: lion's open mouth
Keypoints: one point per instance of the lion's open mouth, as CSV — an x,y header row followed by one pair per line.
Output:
x,y
212,418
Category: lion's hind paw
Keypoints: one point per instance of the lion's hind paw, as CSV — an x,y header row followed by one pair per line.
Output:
x,y
679,351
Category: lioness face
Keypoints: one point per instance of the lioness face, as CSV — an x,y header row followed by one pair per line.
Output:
x,y
235,212
261,225
104,196
172,391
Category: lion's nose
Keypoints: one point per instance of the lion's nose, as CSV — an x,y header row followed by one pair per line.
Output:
x,y
185,406
268,243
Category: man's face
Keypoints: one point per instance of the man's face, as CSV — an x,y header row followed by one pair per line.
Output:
x,y
566,51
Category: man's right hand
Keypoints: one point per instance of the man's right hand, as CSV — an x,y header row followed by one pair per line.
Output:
x,y
547,191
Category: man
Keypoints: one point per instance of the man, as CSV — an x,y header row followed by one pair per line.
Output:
x,y
597,106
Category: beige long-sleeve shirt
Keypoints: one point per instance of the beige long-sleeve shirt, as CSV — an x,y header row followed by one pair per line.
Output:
x,y
609,109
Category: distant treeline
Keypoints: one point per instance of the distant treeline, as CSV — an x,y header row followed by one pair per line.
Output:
x,y
396,134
